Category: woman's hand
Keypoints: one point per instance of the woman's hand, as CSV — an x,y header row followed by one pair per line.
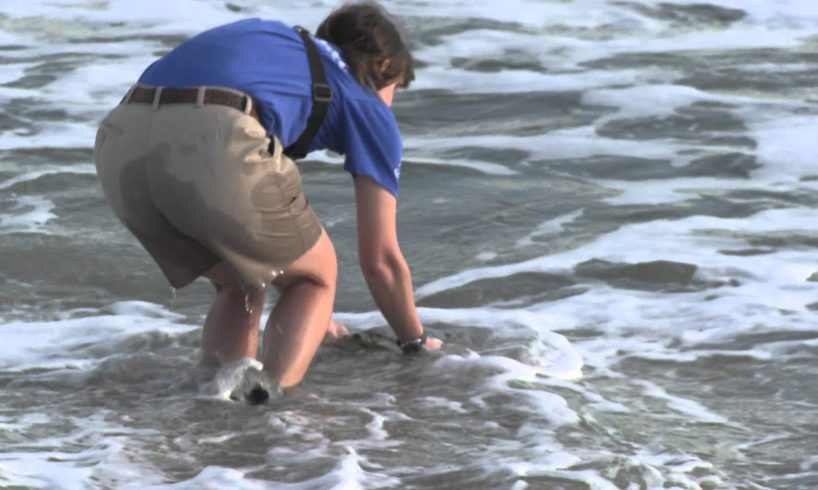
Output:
x,y
433,343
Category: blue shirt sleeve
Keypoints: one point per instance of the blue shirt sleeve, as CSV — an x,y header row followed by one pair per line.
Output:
x,y
371,142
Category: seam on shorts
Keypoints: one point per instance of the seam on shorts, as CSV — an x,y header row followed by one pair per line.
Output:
x,y
282,184
294,220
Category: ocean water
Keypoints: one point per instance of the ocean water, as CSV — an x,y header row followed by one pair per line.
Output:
x,y
609,208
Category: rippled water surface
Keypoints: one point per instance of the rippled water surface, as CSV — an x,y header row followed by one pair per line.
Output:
x,y
610,211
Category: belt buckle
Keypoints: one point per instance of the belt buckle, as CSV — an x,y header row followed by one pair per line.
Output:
x,y
321,92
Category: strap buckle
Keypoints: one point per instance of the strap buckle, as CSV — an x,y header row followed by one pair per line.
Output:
x,y
322,92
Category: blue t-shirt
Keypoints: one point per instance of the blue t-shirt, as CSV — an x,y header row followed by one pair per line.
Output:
x,y
268,61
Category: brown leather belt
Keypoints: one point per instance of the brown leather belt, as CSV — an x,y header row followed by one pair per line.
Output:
x,y
146,95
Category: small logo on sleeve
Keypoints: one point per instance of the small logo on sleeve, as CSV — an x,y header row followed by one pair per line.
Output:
x,y
333,53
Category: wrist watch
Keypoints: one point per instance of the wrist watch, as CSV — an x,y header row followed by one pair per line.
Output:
x,y
413,345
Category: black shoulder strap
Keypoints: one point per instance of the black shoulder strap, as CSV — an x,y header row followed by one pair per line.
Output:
x,y
321,97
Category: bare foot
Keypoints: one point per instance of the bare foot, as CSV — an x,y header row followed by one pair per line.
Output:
x,y
336,329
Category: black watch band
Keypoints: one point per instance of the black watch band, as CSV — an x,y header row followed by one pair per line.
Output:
x,y
413,345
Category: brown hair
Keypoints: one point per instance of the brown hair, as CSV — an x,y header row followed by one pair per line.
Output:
x,y
368,37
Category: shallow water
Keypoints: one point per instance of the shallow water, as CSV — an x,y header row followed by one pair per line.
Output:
x,y
609,208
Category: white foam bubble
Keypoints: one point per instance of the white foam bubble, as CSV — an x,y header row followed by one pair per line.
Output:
x,y
179,15
47,344
487,168
159,16
784,14
654,100
213,478
93,452
587,478
375,428
36,174
545,404
525,12
666,355
786,147
769,293
486,256
680,469
582,142
349,471
565,36
549,227
671,240
441,403
691,409
439,76
51,135
666,191
29,214
555,356
10,72
540,460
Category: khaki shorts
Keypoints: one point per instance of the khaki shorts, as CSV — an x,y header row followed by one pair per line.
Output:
x,y
197,186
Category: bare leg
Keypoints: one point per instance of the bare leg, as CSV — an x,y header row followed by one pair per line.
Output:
x,y
230,331
301,318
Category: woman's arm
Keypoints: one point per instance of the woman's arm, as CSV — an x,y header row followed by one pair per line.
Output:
x,y
385,270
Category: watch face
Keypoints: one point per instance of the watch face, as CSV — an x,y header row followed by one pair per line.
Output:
x,y
412,346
